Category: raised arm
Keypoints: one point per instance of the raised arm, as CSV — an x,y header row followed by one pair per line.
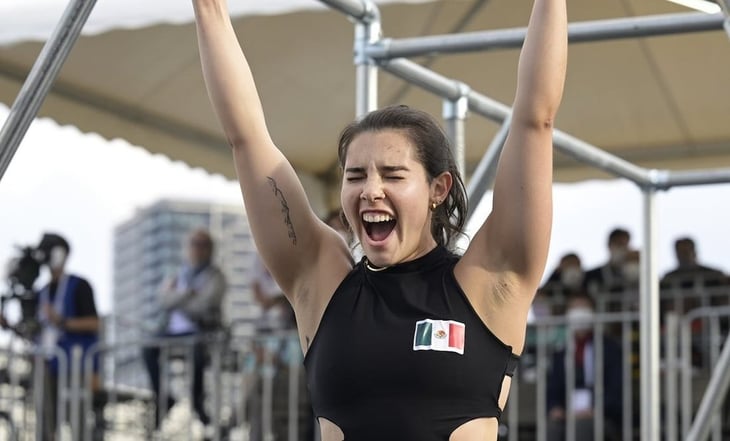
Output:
x,y
512,245
285,229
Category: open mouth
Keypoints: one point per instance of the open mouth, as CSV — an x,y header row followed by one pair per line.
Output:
x,y
378,226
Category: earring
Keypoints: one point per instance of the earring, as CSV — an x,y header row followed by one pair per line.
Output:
x,y
433,206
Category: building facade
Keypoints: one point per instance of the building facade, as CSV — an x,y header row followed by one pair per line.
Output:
x,y
148,248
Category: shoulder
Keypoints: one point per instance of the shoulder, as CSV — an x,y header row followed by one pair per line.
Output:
x,y
81,283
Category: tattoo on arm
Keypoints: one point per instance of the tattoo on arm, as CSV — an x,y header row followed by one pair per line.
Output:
x,y
284,210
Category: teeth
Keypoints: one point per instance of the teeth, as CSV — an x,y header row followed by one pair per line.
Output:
x,y
371,217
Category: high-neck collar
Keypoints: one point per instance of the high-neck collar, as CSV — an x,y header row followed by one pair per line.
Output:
x,y
431,258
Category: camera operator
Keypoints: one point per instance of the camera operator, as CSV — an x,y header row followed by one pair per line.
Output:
x,y
68,318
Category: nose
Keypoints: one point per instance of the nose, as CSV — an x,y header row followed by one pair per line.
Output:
x,y
372,190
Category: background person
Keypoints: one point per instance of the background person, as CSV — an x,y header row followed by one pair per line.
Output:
x,y
191,305
68,318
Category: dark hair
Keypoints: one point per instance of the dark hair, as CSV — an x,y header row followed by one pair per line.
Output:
x,y
433,151
618,233
684,241
51,240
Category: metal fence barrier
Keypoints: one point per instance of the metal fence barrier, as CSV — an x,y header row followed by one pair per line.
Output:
x,y
255,388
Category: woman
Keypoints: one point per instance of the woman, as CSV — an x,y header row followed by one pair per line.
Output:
x,y
412,343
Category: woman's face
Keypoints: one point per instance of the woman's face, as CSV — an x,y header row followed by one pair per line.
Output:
x,y
386,197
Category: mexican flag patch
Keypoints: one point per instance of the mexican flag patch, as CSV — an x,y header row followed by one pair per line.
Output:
x,y
439,335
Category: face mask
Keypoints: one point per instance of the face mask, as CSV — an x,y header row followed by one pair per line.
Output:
x,y
571,277
580,318
57,259
631,271
617,256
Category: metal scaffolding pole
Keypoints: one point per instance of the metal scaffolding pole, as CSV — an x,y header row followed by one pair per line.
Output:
x,y
725,5
454,113
482,180
649,325
41,77
360,10
598,30
496,111
714,396
666,179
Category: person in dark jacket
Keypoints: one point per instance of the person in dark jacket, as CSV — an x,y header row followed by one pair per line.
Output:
x,y
580,316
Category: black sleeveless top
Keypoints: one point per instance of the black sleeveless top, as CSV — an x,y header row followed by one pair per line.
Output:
x,y
400,354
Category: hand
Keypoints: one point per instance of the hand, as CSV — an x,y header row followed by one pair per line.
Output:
x,y
557,413
53,317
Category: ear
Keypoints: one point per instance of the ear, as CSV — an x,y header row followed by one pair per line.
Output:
x,y
440,187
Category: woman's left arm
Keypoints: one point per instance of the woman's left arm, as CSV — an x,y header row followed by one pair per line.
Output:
x,y
511,247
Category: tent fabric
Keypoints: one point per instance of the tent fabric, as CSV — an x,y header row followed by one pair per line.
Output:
x,y
661,102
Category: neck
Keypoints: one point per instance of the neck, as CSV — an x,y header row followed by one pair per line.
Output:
x,y
56,275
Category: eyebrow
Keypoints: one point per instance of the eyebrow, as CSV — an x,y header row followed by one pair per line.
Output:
x,y
382,169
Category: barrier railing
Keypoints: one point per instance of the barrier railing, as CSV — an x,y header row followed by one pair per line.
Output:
x,y
256,388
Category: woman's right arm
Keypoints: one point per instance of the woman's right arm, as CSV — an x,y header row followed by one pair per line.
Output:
x,y
287,233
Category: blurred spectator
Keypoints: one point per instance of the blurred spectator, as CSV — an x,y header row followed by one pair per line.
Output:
x,y
689,273
68,318
580,316
276,312
566,280
191,305
610,277
275,353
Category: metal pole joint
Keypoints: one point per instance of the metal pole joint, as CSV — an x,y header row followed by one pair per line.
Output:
x,y
658,180
368,31
457,108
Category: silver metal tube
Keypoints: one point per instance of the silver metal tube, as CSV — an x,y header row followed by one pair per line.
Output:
x,y
569,384
496,111
628,412
686,358
164,378
88,395
454,113
217,375
513,410
715,343
714,396
597,30
293,389
586,153
41,77
598,388
190,383
670,178
267,394
686,354
670,386
367,32
361,10
62,387
482,179
75,391
39,366
649,325
541,381
366,82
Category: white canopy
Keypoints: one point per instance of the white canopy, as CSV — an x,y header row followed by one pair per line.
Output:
x,y
661,102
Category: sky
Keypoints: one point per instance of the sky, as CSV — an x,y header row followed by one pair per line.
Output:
x,y
82,186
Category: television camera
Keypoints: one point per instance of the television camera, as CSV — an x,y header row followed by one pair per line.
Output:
x,y
23,270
